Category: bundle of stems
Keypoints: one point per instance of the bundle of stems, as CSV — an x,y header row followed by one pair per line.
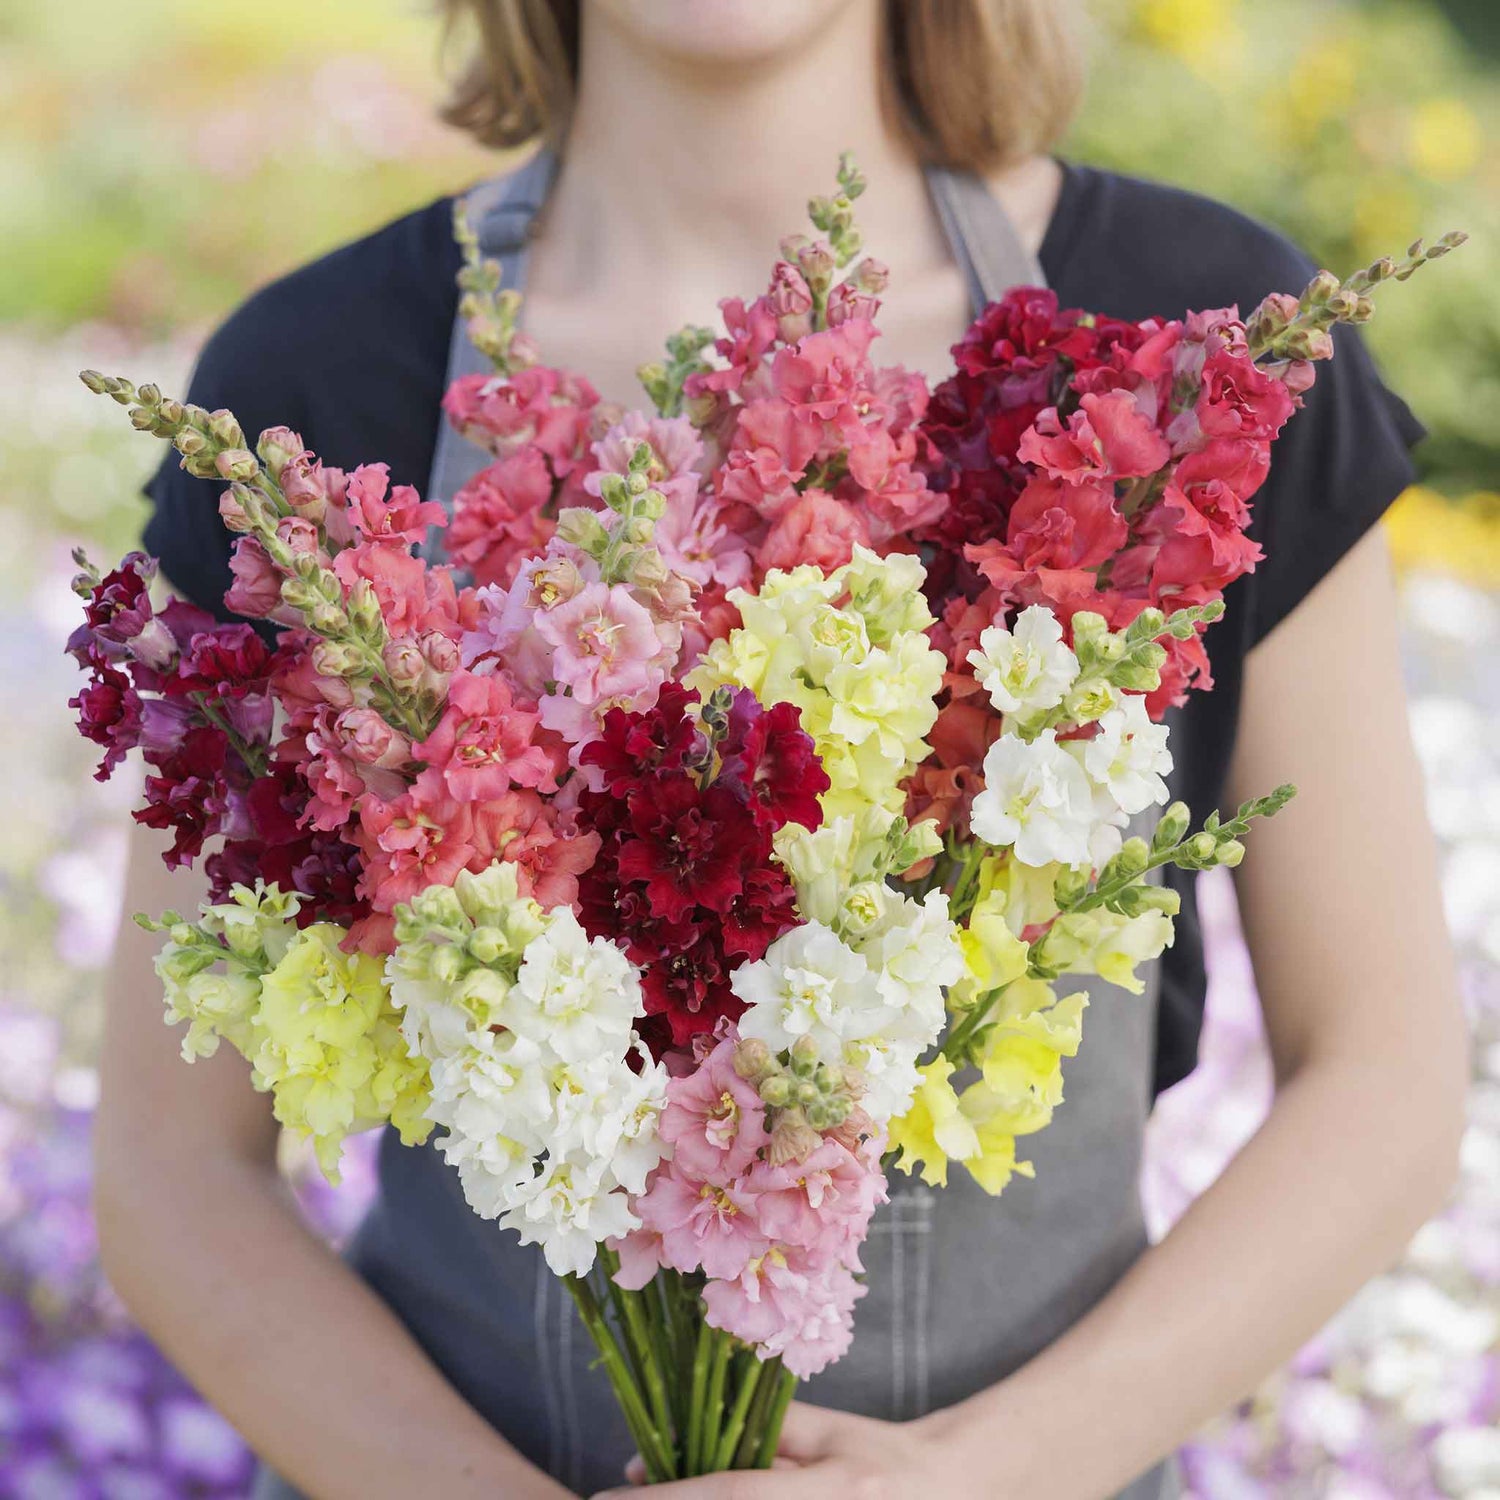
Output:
x,y
697,1400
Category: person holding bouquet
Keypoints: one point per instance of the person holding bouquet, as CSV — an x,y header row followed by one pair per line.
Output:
x,y
1038,1348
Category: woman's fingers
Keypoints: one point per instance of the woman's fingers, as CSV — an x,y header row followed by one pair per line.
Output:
x,y
804,1433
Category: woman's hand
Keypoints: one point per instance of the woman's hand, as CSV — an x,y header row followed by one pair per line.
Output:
x,y
831,1453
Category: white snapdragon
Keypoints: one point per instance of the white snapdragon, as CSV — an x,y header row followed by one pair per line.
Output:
x,y
1128,757
529,1026
1037,801
872,1000
1028,669
809,983
576,996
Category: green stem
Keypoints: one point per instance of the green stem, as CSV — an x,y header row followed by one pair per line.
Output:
x,y
771,1437
650,1445
713,1417
766,1386
695,1403
633,1318
749,1369
254,756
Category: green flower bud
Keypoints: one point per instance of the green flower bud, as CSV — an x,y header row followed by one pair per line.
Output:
x,y
1202,847
804,1057
1172,828
1070,886
776,1091
447,963
583,529
1230,853
487,944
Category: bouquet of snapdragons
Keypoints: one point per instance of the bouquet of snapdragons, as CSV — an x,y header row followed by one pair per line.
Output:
x,y
751,767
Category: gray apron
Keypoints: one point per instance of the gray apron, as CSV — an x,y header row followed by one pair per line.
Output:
x,y
963,1288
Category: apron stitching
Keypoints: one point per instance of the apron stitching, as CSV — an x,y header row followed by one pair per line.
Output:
x,y
898,1332
924,1269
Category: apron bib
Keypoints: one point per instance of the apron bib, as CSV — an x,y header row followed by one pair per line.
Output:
x,y
962,1288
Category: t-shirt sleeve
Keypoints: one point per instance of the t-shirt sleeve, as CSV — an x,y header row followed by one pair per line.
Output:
x,y
240,368
1335,469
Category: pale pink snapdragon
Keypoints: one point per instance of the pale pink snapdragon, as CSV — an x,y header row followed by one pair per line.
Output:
x,y
714,1119
803,1313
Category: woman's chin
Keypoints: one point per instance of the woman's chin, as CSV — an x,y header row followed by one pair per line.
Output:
x,y
722,31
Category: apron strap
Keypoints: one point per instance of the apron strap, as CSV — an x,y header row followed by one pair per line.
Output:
x,y
504,212
982,236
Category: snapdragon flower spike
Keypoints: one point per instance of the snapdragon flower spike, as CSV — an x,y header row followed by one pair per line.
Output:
x,y
325,550
1285,334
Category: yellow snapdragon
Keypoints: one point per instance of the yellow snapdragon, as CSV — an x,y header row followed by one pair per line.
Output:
x,y
1019,1087
330,1048
315,1023
848,649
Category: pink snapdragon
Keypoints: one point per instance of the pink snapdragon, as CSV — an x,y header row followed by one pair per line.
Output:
x,y
499,516
714,1119
805,1315
485,743
379,513
549,408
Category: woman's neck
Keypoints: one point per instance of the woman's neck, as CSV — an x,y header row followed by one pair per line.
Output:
x,y
702,173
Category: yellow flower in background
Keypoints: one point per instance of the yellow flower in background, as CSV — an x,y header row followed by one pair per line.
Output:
x,y
1427,530
1198,32
1444,139
1322,86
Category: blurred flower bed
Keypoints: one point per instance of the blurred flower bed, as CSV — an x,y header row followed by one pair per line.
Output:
x,y
158,160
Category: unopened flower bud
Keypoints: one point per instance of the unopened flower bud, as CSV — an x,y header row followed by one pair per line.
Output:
x,y
776,1091
582,528
523,352
447,964
1201,847
487,944
225,430
752,1058
237,508
404,664
278,446
364,608
804,1056
1230,853
1323,286
441,654
237,463
327,619
1171,828
817,264
333,658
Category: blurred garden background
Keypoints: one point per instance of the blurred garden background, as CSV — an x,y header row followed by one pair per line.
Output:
x,y
158,160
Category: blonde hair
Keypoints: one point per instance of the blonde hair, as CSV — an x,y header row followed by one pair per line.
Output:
x,y
971,84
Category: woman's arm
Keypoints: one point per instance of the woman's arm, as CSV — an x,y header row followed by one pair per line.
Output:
x,y
1341,906
204,1243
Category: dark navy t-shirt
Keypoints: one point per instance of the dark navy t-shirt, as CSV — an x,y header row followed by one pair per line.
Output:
x,y
351,352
